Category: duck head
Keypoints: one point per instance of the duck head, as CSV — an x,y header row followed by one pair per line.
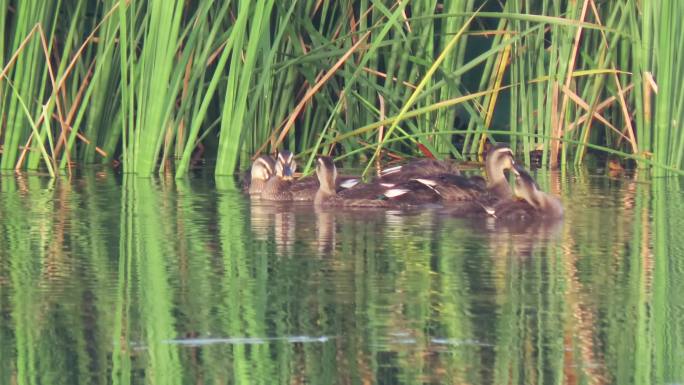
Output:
x,y
262,168
499,159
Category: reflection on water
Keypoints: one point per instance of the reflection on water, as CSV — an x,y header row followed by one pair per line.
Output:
x,y
105,280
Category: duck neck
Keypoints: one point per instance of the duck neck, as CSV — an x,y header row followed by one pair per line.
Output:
x,y
324,191
497,182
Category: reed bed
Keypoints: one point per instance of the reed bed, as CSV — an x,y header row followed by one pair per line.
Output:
x,y
94,296
162,87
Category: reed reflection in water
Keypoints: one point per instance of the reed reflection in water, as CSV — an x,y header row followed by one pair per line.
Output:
x,y
106,280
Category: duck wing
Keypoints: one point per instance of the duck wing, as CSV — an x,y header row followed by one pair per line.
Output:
x,y
418,168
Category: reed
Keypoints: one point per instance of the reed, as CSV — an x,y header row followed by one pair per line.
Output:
x,y
165,87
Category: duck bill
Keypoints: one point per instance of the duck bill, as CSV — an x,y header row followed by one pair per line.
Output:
x,y
287,173
512,165
515,169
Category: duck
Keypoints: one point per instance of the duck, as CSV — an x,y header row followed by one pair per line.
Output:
x,y
261,171
396,181
283,187
357,196
531,201
453,187
277,188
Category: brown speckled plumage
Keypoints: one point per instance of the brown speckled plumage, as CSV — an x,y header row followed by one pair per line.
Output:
x,y
451,188
417,169
356,197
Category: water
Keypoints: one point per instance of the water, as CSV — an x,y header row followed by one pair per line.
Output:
x,y
111,280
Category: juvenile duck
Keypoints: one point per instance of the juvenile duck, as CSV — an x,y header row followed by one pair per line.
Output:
x,y
353,197
456,188
261,171
532,202
277,188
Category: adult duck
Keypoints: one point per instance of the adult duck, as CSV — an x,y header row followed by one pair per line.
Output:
x,y
450,187
358,196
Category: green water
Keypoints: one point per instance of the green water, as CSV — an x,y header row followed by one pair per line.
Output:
x,y
111,280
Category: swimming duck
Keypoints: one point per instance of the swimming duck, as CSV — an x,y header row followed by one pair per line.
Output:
x,y
353,197
277,188
260,173
448,187
531,202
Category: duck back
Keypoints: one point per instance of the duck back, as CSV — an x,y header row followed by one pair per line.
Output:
x,y
417,169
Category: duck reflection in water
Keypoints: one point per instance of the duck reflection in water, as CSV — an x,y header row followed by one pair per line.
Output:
x,y
261,220
521,239
326,232
294,229
276,218
285,226
503,237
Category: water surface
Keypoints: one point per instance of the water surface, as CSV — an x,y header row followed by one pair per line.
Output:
x,y
113,280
